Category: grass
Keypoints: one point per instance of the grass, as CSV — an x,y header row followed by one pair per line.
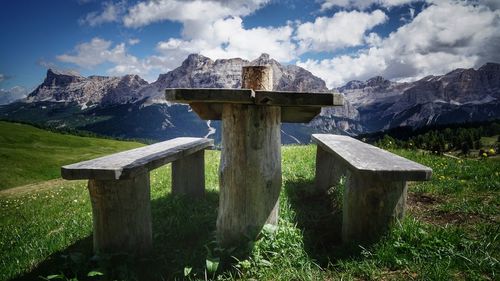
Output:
x,y
489,141
31,155
451,231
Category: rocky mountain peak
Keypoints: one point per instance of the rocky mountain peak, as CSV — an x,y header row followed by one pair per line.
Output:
x,y
263,59
490,67
378,81
352,85
195,60
55,77
97,90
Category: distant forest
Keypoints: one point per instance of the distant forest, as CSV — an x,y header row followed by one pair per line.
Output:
x,y
439,139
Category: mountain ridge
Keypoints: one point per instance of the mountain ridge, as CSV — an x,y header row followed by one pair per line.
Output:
x,y
129,106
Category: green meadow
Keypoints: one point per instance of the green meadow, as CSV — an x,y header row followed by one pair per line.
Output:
x,y
30,155
451,230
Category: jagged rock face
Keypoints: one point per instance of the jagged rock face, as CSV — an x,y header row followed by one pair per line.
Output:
x,y
198,71
291,77
462,95
102,90
383,104
374,90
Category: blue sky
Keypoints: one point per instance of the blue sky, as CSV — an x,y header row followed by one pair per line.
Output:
x,y
337,40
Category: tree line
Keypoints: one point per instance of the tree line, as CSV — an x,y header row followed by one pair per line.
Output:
x,y
439,139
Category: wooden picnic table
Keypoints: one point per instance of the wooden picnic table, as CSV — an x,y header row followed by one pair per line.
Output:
x,y
250,166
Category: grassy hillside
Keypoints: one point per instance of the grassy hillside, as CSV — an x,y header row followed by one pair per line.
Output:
x,y
451,231
30,155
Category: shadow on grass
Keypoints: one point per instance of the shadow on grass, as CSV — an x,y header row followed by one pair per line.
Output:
x,y
183,231
319,216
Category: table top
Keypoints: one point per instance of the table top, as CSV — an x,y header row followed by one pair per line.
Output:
x,y
296,107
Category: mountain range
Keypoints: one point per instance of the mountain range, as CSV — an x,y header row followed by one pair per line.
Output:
x,y
130,107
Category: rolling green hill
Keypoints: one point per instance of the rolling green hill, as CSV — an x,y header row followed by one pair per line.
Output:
x,y
30,155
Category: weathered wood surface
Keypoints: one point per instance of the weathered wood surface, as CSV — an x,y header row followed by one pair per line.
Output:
x,y
121,212
328,170
297,114
257,77
298,99
207,111
127,164
181,95
289,114
370,205
188,175
250,169
250,96
375,190
365,158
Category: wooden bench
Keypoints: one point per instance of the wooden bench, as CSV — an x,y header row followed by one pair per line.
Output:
x,y
376,188
120,192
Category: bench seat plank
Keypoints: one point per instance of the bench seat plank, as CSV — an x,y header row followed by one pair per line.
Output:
x,y
365,158
127,164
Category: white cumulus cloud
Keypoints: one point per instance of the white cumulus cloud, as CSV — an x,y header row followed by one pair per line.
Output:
x,y
145,13
212,28
10,95
111,12
134,41
343,29
99,51
227,38
433,43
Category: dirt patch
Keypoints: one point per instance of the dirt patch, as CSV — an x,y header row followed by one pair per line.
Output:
x,y
456,218
425,207
420,203
33,187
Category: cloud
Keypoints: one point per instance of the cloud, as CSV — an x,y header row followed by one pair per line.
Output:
x,y
343,29
99,51
433,43
428,42
10,95
111,12
134,41
492,4
212,28
88,54
363,4
4,77
227,38
145,13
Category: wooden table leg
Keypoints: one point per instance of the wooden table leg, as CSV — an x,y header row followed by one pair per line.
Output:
x,y
250,171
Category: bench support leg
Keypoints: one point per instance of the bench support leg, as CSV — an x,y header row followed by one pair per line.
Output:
x,y
370,205
328,171
121,215
188,175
